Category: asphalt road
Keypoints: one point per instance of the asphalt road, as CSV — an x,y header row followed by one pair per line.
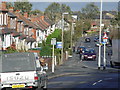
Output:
x,y
75,73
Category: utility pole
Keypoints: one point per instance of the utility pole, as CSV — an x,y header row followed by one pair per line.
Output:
x,y
62,36
99,58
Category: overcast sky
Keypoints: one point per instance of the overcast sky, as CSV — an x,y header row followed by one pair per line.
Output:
x,y
65,0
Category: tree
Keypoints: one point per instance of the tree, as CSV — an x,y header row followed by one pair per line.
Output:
x,y
56,34
23,5
54,11
66,40
90,11
36,12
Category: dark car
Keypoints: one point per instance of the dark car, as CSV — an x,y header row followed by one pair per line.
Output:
x,y
89,54
78,49
96,39
87,39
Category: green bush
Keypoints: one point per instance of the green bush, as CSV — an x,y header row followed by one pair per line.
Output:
x,y
46,51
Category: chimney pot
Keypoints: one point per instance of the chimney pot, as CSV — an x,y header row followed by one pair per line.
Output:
x,y
26,15
11,9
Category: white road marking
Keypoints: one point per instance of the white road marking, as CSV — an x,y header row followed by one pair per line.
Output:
x,y
107,78
97,82
94,83
100,81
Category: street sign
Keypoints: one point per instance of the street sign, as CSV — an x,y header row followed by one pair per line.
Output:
x,y
105,37
53,41
59,45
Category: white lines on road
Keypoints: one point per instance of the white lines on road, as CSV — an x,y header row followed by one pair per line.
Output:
x,y
101,81
94,83
97,82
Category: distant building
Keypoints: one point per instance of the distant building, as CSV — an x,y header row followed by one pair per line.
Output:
x,y
119,6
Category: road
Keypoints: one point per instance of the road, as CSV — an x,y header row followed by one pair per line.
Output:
x,y
84,74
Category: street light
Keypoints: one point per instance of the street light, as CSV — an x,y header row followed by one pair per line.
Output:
x,y
62,35
99,58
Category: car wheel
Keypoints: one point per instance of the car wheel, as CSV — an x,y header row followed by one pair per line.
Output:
x,y
112,64
3,89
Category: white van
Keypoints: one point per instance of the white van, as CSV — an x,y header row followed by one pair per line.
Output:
x,y
22,70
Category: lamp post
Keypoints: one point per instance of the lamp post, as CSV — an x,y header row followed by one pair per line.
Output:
x,y
99,58
82,28
62,36
72,33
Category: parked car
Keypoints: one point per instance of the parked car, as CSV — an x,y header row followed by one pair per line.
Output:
x,y
97,44
78,49
89,54
23,71
87,39
96,39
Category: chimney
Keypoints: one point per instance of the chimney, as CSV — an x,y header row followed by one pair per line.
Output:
x,y
3,5
26,15
11,9
42,17
17,11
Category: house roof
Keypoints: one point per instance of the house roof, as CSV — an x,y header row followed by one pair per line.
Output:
x,y
30,39
107,15
22,37
11,14
15,33
26,21
42,22
6,31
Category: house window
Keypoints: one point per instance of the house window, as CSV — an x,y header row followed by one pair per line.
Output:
x,y
0,19
24,31
13,23
20,27
37,33
30,31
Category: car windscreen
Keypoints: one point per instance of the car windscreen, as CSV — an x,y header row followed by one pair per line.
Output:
x,y
89,51
18,62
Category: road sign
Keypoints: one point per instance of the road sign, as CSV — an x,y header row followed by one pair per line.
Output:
x,y
53,41
105,37
59,45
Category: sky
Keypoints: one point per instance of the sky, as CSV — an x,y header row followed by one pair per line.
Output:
x,y
75,5
65,0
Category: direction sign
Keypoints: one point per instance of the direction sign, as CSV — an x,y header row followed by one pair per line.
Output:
x,y
59,45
